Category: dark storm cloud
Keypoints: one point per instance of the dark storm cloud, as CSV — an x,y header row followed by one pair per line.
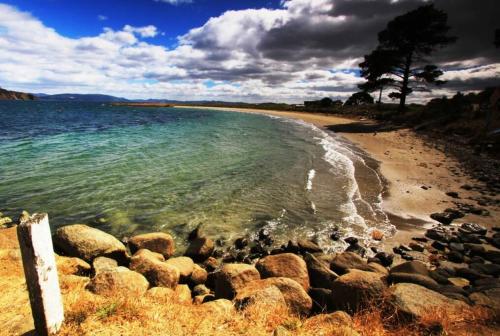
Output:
x,y
303,37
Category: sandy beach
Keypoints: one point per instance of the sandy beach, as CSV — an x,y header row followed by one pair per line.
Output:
x,y
418,175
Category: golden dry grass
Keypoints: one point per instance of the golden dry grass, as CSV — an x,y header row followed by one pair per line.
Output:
x,y
90,314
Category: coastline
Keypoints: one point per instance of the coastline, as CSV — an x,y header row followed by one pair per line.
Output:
x,y
417,175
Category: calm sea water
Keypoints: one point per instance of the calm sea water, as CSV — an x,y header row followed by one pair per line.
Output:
x,y
132,170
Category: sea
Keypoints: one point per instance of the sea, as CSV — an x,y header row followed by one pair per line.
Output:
x,y
131,170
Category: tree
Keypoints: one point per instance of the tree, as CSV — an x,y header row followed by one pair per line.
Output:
x,y
359,98
400,60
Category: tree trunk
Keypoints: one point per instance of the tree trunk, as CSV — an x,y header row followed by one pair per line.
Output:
x,y
404,88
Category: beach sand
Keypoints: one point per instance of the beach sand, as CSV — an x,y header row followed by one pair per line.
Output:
x,y
417,174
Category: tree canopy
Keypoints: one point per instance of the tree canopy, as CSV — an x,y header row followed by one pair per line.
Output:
x,y
400,60
359,98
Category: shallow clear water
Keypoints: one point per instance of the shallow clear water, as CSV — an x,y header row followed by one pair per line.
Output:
x,y
130,170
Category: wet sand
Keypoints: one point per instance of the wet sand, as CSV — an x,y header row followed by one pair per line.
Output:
x,y
417,174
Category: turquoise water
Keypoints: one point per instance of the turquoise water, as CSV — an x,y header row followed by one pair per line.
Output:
x,y
131,170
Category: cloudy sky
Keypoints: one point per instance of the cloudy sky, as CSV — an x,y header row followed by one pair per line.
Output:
x,y
252,51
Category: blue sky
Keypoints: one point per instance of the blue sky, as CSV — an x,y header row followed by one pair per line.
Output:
x,y
233,50
76,19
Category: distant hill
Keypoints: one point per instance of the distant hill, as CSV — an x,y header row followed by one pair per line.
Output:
x,y
80,98
14,95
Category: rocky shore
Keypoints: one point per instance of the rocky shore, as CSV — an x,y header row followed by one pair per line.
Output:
x,y
451,269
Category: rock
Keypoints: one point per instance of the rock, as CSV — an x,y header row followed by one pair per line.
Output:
x,y
233,277
211,264
472,228
241,243
102,264
386,259
158,242
71,265
185,265
120,281
356,289
320,275
489,298
342,262
183,293
196,233
162,293
412,301
296,298
413,267
308,246
263,295
221,306
281,331
337,323
352,240
377,268
455,257
470,274
158,273
5,221
148,254
377,235
416,247
286,265
198,276
458,247
439,234
322,299
443,217
200,290
438,245
452,194
200,249
418,279
489,269
459,282
87,243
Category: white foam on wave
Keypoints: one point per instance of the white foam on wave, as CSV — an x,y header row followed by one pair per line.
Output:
x,y
310,177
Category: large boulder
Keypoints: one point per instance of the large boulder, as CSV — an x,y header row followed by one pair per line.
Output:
x,y
357,289
233,277
266,295
200,249
296,298
221,307
343,262
418,279
101,264
72,265
120,281
185,265
412,301
489,298
88,243
412,267
158,242
337,323
320,275
287,265
198,276
158,273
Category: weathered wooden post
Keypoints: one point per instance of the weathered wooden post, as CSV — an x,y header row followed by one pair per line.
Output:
x,y
40,270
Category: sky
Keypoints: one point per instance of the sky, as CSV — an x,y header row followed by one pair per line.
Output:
x,y
252,51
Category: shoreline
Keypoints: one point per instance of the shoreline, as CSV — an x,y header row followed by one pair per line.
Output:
x,y
415,174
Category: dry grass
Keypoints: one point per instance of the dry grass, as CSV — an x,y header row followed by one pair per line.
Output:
x,y
90,314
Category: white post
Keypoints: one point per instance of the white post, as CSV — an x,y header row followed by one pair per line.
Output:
x,y
40,270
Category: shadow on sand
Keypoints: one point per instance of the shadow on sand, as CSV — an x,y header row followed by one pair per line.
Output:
x,y
363,127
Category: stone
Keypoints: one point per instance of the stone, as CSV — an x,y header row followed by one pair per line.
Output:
x,y
183,293
88,243
198,276
489,298
185,265
443,217
342,262
241,243
459,282
322,299
5,221
489,269
455,257
263,295
356,289
72,265
377,235
286,265
211,264
472,228
162,293
470,274
158,273
377,268
120,282
147,253
411,301
158,242
413,267
418,279
320,275
416,247
220,306
439,234
308,246
232,277
296,298
200,249
200,290
386,259
337,323
101,264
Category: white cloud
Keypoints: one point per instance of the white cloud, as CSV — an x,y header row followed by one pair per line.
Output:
x,y
175,2
225,50
102,17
